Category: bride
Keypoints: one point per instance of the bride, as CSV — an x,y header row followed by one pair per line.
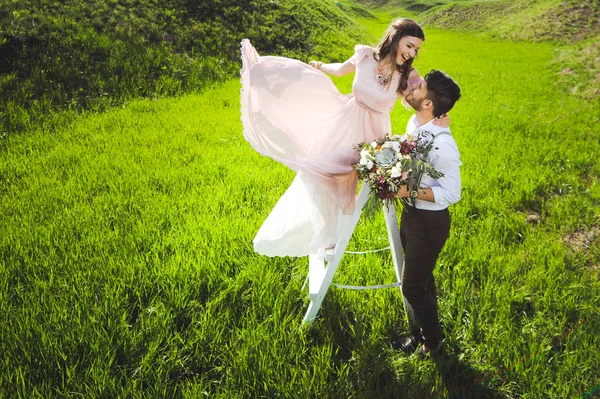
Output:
x,y
293,113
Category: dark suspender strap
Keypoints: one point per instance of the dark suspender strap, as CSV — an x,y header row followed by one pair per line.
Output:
x,y
441,134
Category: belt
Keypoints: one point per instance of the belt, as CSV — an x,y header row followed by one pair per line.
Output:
x,y
365,106
411,208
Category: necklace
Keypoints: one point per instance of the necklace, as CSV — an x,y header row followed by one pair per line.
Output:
x,y
382,76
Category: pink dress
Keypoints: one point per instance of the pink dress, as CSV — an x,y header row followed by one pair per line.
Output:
x,y
294,114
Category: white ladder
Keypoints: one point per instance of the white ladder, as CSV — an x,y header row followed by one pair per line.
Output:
x,y
322,265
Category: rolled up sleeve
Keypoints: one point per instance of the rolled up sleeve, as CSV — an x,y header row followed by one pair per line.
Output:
x,y
446,159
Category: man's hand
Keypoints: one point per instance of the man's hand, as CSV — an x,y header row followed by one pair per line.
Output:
x,y
403,192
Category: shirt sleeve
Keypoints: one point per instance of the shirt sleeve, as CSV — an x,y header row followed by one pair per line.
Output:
x,y
446,159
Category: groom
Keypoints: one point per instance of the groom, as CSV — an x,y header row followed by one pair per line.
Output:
x,y
425,226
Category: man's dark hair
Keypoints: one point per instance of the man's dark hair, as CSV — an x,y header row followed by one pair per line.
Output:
x,y
442,91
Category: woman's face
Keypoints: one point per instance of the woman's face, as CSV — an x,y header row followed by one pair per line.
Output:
x,y
408,47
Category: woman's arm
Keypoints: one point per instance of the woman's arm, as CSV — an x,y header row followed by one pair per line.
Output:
x,y
413,80
442,120
335,69
414,76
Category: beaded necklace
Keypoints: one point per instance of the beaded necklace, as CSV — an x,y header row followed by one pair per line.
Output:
x,y
382,74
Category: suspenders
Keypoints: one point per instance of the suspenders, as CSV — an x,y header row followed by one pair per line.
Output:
x,y
441,134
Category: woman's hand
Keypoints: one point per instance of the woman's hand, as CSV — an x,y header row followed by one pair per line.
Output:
x,y
315,64
442,121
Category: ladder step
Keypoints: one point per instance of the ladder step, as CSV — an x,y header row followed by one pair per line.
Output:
x,y
367,287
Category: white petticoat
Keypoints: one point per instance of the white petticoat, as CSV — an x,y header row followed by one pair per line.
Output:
x,y
303,221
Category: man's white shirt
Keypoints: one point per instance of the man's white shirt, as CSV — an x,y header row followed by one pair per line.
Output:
x,y
445,159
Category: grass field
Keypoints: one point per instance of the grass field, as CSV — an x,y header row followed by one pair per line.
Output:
x,y
127,268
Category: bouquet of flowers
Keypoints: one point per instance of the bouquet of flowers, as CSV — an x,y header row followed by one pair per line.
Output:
x,y
390,162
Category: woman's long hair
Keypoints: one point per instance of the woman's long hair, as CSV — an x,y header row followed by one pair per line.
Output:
x,y
389,46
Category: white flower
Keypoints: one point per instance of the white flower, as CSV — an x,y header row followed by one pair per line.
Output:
x,y
364,153
395,145
374,144
363,161
396,172
369,164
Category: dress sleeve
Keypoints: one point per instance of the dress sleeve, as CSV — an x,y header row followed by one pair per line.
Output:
x,y
360,52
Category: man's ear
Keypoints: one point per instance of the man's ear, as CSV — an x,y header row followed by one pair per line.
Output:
x,y
427,104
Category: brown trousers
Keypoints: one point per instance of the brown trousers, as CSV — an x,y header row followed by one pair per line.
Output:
x,y
423,234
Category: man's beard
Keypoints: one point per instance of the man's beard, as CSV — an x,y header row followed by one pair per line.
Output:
x,y
416,104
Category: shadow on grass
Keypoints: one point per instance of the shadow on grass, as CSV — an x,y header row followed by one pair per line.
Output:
x,y
378,371
462,381
373,369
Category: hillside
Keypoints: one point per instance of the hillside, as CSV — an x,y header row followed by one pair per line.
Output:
x,y
550,20
572,24
89,54
409,5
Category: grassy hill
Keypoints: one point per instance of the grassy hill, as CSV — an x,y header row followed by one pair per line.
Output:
x,y
573,24
563,21
408,5
84,54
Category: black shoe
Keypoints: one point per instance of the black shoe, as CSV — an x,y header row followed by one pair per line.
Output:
x,y
407,343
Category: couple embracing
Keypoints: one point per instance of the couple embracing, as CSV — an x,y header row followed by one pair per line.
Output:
x,y
293,113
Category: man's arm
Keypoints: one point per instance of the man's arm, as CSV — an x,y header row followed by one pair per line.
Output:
x,y
425,194
446,159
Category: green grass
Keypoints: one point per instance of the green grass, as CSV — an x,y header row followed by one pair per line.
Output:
x,y
127,268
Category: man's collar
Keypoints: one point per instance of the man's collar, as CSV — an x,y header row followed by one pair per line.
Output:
x,y
427,127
